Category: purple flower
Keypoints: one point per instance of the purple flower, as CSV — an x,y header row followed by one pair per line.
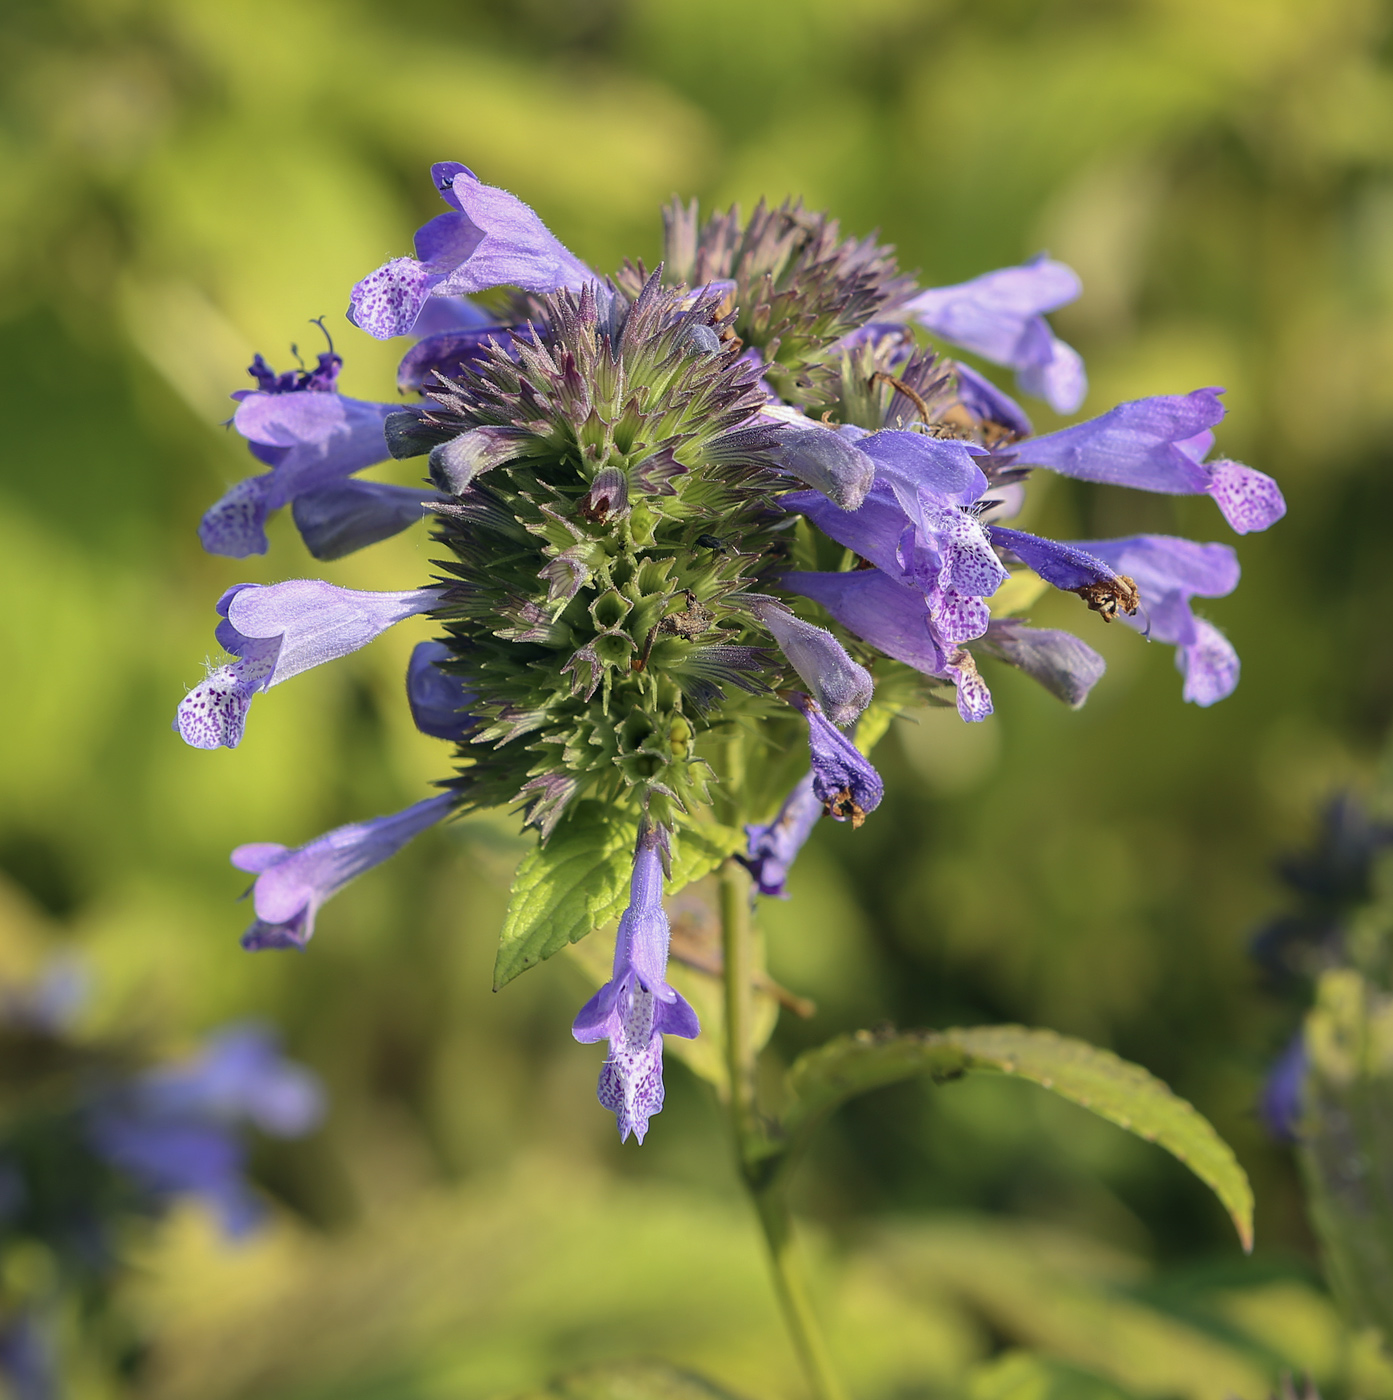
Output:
x,y
998,316
439,699
772,847
276,631
986,402
842,688
292,884
489,239
843,779
636,1006
1280,1103
176,1131
28,1359
1168,572
1158,444
309,435
448,354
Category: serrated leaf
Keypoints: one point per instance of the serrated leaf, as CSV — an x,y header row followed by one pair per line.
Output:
x,y
579,881
563,890
1095,1079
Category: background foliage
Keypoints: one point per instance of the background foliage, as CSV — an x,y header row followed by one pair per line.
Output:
x,y
184,183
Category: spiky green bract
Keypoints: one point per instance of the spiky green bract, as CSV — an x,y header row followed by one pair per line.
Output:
x,y
799,285
599,573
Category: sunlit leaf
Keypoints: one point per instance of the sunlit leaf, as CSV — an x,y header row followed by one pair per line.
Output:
x,y
631,1380
1098,1080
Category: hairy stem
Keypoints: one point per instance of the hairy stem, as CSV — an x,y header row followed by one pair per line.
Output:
x,y
768,1190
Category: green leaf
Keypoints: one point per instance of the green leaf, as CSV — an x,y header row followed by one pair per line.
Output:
x,y
1095,1079
579,881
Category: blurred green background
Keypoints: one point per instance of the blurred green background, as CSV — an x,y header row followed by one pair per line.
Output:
x,y
184,182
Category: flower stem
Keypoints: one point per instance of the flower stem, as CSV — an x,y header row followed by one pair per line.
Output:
x,y
767,1188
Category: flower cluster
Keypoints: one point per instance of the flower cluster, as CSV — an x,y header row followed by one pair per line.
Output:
x,y
654,491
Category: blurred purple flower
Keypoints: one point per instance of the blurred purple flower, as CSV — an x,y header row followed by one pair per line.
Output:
x,y
177,1130
636,1006
1280,1104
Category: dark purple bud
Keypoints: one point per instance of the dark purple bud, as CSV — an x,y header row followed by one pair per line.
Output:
x,y
439,699
1280,1105
449,354
350,515
843,780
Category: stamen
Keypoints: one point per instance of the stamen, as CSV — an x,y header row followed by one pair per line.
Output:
x,y
883,377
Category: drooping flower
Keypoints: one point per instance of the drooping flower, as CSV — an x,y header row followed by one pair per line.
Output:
x,y
1159,444
772,846
1280,1104
292,884
1067,667
1168,572
637,1006
1000,317
276,631
489,239
843,779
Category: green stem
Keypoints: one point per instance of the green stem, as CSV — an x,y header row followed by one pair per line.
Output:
x,y
767,1189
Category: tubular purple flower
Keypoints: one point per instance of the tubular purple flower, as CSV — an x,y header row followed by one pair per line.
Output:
x,y
895,618
1280,1104
843,780
439,699
999,316
841,687
1168,572
826,461
310,437
1156,445
771,848
891,616
490,239
292,884
276,631
636,1007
